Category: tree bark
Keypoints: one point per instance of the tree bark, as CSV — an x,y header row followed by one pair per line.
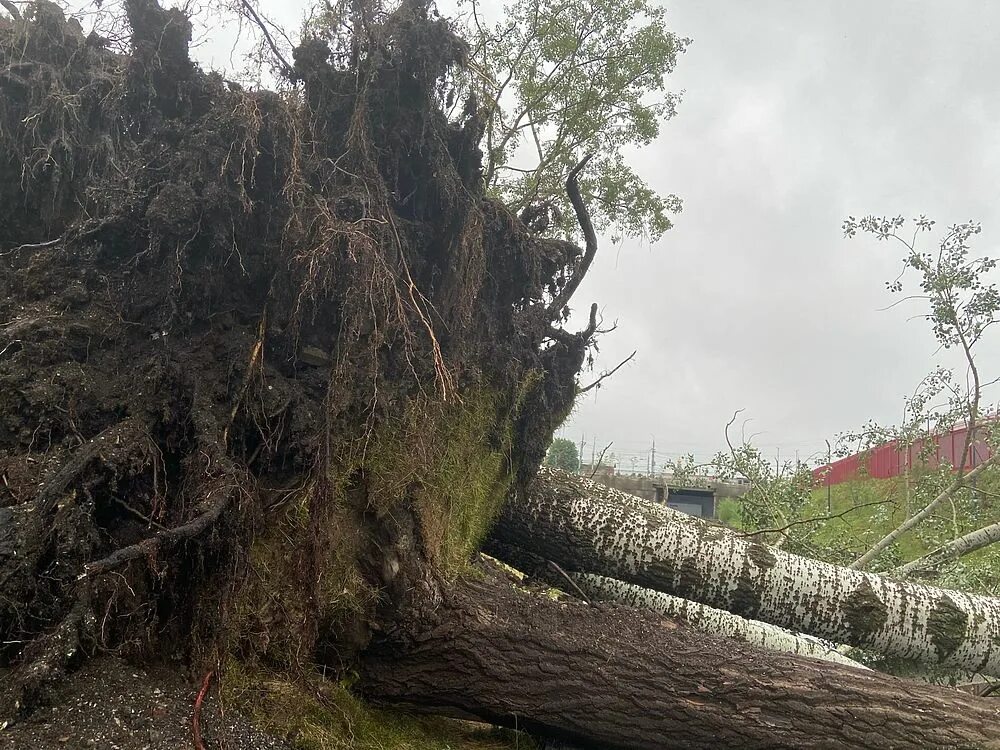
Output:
x,y
710,619
608,676
587,527
953,550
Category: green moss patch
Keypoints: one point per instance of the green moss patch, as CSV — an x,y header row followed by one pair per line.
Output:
x,y
316,714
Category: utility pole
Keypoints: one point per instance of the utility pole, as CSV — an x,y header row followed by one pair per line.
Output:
x,y
593,449
652,459
579,455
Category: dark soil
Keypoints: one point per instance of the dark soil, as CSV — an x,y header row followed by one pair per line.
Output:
x,y
111,705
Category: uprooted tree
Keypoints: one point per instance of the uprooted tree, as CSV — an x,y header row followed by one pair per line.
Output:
x,y
243,334
270,365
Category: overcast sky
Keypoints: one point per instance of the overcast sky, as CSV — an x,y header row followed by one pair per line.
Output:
x,y
795,115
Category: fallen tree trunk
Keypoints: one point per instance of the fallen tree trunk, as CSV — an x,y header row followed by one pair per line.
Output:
x,y
608,676
587,527
709,619
589,586
956,548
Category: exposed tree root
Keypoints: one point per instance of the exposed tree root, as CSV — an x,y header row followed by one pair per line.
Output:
x,y
47,659
286,317
149,547
196,716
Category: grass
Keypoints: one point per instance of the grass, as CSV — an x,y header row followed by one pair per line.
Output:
x,y
852,516
316,714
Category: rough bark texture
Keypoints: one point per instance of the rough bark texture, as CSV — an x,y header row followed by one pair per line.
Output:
x,y
709,619
607,676
586,527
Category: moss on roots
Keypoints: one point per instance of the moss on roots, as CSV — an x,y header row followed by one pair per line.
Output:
x,y
263,353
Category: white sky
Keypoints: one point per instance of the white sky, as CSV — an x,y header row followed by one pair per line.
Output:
x,y
795,115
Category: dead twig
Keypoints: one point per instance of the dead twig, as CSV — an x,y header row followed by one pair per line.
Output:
x,y
259,22
607,374
600,459
571,582
814,519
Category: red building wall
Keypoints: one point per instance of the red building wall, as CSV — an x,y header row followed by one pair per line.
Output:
x,y
889,460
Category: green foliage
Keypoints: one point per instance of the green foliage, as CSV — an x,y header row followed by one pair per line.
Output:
x,y
728,512
776,494
559,78
685,472
562,454
961,305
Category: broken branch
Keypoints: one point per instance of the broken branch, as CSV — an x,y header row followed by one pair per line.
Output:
x,y
606,375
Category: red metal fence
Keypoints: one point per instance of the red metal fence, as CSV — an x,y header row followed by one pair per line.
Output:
x,y
891,460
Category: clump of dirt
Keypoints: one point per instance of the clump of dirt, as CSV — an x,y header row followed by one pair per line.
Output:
x,y
252,344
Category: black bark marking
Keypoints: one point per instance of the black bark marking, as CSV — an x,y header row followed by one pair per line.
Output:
x,y
946,626
761,556
865,612
746,597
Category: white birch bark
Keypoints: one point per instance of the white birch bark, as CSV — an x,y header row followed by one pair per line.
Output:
x,y
710,619
953,550
587,527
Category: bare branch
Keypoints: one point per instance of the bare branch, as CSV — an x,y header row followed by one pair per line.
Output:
x,y
587,332
11,8
607,374
288,70
587,227
600,459
814,519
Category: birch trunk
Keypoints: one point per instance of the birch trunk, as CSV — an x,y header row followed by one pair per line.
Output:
x,y
710,619
953,550
586,527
